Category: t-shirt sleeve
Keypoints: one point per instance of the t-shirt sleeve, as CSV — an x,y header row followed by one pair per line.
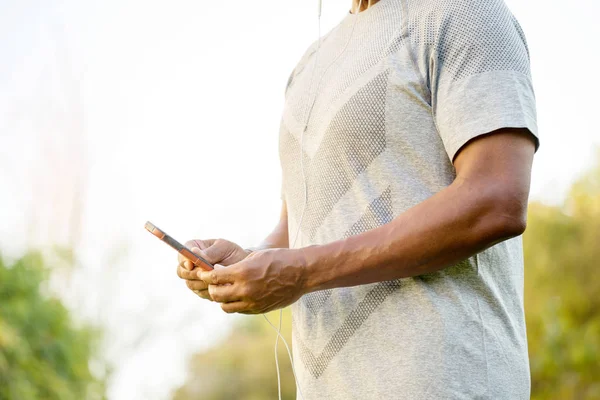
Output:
x,y
479,72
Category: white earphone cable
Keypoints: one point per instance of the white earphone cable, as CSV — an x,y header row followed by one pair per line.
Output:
x,y
307,119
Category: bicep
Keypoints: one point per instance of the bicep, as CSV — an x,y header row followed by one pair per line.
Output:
x,y
499,163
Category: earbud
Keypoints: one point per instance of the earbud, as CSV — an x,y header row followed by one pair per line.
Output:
x,y
320,7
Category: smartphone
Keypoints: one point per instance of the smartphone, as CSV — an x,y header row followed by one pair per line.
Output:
x,y
181,249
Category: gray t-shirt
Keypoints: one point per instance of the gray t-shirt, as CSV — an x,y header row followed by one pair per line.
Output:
x,y
416,82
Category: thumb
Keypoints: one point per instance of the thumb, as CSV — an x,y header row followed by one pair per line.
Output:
x,y
218,252
187,264
196,247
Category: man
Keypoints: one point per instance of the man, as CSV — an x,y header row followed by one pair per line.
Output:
x,y
416,133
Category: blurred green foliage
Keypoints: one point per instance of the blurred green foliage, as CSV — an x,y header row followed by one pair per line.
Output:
x,y
245,363
44,354
562,304
562,293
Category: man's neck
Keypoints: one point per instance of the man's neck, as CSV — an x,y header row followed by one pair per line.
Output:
x,y
364,4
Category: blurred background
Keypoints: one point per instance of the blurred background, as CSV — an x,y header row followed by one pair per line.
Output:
x,y
117,112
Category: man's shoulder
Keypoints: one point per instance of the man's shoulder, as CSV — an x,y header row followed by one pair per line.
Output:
x,y
460,22
432,11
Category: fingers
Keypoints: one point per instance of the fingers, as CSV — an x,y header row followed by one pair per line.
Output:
x,y
187,263
225,293
221,252
238,306
184,273
218,276
196,285
203,294
215,251
197,246
201,244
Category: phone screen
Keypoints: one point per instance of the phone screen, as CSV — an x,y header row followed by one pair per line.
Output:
x,y
181,249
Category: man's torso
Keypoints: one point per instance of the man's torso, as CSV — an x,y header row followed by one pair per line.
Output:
x,y
371,151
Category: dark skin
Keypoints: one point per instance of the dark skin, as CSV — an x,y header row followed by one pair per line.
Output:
x,y
225,253
485,204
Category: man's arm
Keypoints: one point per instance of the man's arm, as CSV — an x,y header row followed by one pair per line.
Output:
x,y
224,252
485,205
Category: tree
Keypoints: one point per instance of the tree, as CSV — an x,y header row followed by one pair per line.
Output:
x,y
44,354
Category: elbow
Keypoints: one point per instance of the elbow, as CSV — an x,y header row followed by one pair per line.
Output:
x,y
512,225
505,215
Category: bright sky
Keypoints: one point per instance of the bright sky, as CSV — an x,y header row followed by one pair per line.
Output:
x,y
171,112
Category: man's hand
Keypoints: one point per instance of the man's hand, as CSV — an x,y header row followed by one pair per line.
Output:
x,y
264,281
219,251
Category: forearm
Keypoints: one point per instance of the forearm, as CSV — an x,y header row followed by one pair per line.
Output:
x,y
452,225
